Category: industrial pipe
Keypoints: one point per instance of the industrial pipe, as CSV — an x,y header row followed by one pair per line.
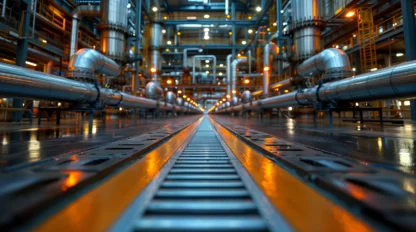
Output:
x,y
332,63
228,70
393,82
270,50
20,82
87,61
185,55
234,71
3,9
200,57
77,14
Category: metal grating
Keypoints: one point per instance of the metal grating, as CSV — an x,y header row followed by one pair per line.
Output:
x,y
202,191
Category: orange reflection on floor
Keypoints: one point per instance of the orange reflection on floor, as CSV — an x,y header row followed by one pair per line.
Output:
x,y
302,206
73,178
98,209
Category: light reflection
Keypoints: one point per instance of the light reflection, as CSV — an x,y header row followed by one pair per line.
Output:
x,y
409,185
73,178
34,147
380,144
5,141
405,157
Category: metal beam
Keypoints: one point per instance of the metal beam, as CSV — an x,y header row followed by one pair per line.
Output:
x,y
206,46
211,7
264,11
211,21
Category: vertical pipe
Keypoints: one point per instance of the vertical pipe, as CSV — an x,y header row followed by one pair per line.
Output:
x,y
3,8
21,56
228,71
215,71
137,43
280,33
249,61
233,26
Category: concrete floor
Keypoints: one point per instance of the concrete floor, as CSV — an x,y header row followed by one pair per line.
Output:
x,y
387,146
24,144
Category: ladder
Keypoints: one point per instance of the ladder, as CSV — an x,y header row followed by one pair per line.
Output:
x,y
367,39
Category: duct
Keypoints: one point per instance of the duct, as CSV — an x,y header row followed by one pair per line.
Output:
x,y
229,57
87,61
113,26
394,82
20,82
200,57
307,28
270,50
234,71
332,62
77,14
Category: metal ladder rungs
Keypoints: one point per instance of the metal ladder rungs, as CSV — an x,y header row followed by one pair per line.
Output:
x,y
203,193
203,177
203,184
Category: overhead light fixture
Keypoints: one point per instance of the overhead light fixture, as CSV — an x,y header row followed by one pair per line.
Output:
x,y
246,81
184,96
373,69
258,9
399,54
206,37
154,9
128,6
354,69
221,65
169,42
178,33
163,31
179,91
249,17
350,14
250,31
169,82
274,24
228,16
207,65
31,64
44,41
290,108
153,70
206,16
191,18
220,73
206,29
266,69
243,42
207,72
201,50
165,17
234,91
230,32
207,61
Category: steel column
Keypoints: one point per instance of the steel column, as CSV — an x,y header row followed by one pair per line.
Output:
x,y
409,26
21,56
138,41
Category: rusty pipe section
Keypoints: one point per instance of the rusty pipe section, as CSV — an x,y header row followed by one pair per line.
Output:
x,y
333,63
86,62
77,14
270,50
18,82
394,82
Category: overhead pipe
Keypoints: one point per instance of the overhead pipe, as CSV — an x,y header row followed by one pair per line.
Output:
x,y
77,14
3,9
86,62
185,55
24,83
392,82
270,50
200,57
332,63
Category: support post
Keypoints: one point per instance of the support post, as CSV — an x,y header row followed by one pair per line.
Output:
x,y
138,44
21,55
409,28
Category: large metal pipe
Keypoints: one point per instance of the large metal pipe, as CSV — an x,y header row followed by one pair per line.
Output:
x,y
154,43
86,62
24,83
228,70
234,72
185,55
332,63
113,27
394,82
77,14
270,50
200,57
307,24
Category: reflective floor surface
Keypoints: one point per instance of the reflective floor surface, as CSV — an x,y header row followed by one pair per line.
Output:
x,y
24,143
387,146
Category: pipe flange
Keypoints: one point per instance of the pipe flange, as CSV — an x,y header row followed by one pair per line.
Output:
x,y
81,75
317,22
112,26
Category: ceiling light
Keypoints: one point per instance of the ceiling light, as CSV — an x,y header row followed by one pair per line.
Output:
x,y
274,24
350,14
250,31
201,50
258,9
221,65
399,54
169,42
153,70
354,69
163,31
246,81
206,37
165,17
207,72
373,69
31,64
154,9
243,42
249,17
206,16
179,91
207,65
228,16
207,61
230,33
191,18
206,29
169,82
220,73
178,33
128,6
